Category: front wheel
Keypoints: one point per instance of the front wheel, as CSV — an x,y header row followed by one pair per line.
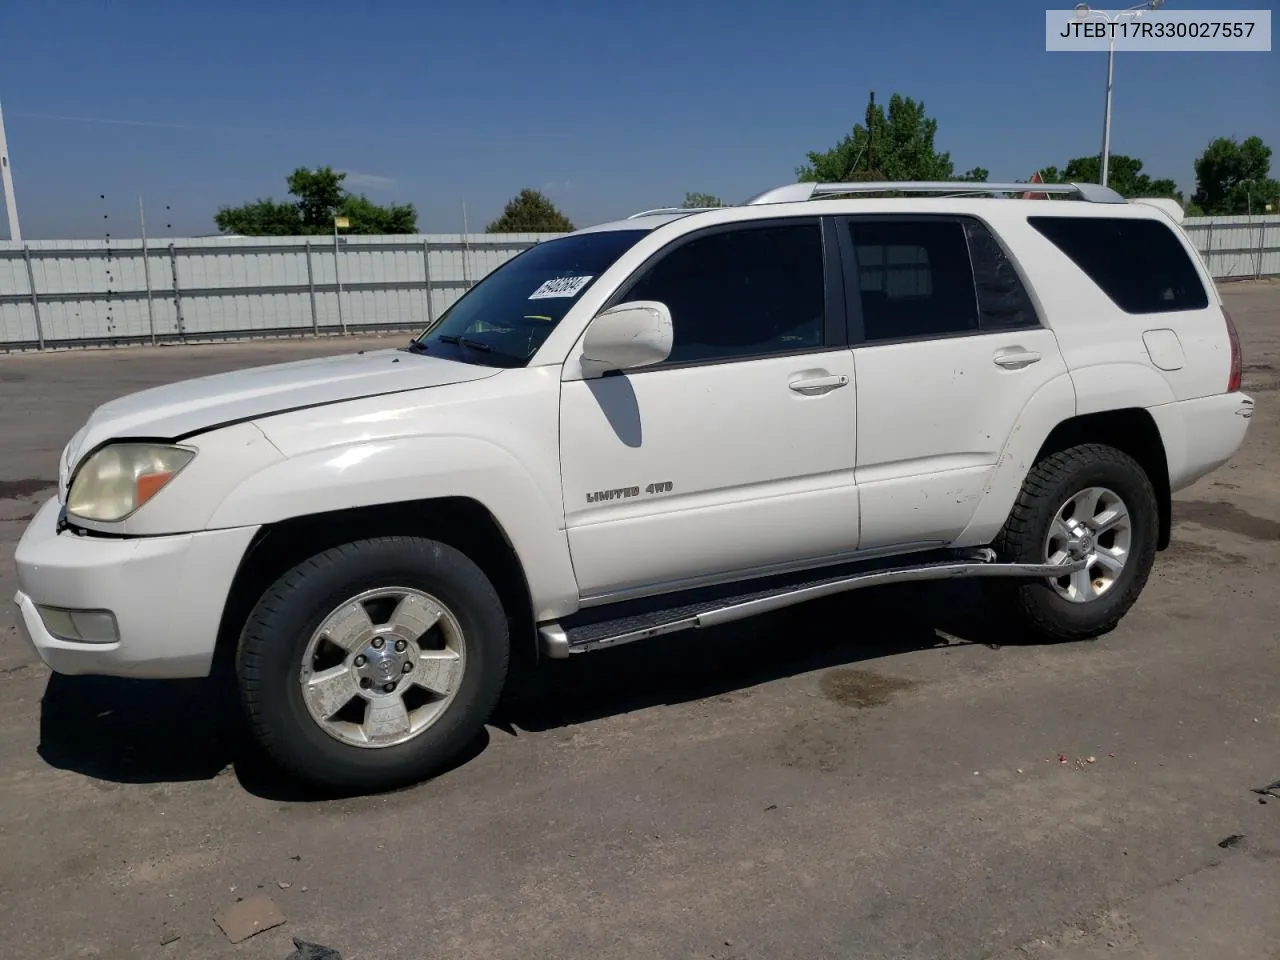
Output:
x,y
1090,502
373,664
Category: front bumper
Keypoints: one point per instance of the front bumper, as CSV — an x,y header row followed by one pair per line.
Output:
x,y
166,594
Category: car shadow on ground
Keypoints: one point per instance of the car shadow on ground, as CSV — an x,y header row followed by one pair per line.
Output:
x,y
138,731
164,731
695,665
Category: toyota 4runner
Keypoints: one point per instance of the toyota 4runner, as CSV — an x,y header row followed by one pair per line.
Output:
x,y
663,423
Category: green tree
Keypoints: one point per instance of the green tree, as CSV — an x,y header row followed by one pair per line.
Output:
x,y
368,218
1233,177
1124,175
261,218
530,212
319,193
892,145
701,200
976,175
320,197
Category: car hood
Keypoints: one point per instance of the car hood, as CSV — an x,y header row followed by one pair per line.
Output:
x,y
191,406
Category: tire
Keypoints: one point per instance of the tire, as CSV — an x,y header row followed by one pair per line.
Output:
x,y
315,687
1090,604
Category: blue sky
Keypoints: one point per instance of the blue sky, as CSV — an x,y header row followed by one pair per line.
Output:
x,y
608,106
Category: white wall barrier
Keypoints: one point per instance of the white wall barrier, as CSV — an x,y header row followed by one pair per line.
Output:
x,y
60,293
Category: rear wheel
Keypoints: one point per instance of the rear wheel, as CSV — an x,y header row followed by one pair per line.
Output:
x,y
1090,502
373,664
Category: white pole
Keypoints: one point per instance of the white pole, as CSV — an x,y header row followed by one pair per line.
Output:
x,y
337,276
1106,120
466,250
6,174
146,269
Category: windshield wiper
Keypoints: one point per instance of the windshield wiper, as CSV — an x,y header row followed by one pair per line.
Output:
x,y
464,341
416,346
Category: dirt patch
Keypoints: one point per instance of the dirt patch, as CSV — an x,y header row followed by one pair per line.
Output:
x,y
1226,516
825,744
11,489
821,746
1190,551
861,688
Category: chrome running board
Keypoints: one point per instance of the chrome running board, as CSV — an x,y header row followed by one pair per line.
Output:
x,y
559,641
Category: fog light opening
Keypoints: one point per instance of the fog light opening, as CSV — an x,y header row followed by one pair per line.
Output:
x,y
80,626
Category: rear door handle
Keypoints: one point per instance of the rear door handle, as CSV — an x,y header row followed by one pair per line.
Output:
x,y
1015,359
816,386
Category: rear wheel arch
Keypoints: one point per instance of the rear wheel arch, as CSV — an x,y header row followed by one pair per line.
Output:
x,y
1131,430
460,522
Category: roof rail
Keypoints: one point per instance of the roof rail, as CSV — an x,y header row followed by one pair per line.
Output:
x,y
799,192
656,211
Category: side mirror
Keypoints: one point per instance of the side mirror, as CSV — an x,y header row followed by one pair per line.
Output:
x,y
635,334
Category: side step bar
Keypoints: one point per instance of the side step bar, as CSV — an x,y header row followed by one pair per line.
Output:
x,y
558,642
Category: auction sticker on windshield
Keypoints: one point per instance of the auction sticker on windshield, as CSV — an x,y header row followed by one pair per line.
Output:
x,y
560,287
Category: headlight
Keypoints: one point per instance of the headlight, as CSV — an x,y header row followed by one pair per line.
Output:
x,y
121,477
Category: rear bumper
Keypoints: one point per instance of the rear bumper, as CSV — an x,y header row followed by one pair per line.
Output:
x,y
1201,435
166,595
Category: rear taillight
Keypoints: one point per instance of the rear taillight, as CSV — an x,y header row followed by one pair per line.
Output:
x,y
1237,361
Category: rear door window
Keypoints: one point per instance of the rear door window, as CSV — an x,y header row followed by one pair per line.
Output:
x,y
1003,301
914,278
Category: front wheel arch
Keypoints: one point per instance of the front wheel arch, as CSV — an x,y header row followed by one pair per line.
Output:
x,y
460,522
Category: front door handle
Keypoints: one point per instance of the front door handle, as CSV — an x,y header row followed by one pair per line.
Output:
x,y
816,386
1015,359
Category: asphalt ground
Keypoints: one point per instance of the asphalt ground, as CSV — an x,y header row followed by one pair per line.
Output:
x,y
868,776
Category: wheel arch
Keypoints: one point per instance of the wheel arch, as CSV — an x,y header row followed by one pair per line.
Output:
x,y
461,522
1131,430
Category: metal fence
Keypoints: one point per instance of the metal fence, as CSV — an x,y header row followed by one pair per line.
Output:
x,y
59,293
88,292
1237,247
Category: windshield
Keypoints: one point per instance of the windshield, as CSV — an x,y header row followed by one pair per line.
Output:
x,y
505,318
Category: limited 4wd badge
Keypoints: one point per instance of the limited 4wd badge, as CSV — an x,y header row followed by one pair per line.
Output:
x,y
560,287
626,493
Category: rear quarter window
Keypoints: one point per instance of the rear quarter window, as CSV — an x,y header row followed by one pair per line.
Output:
x,y
1138,262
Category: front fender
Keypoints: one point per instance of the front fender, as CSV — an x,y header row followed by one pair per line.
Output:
x,y
386,471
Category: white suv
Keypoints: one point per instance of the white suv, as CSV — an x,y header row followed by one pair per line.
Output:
x,y
663,423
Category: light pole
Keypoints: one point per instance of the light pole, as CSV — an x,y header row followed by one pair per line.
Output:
x,y
1084,12
6,180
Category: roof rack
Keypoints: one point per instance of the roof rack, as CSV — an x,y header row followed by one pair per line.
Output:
x,y
799,192
656,211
